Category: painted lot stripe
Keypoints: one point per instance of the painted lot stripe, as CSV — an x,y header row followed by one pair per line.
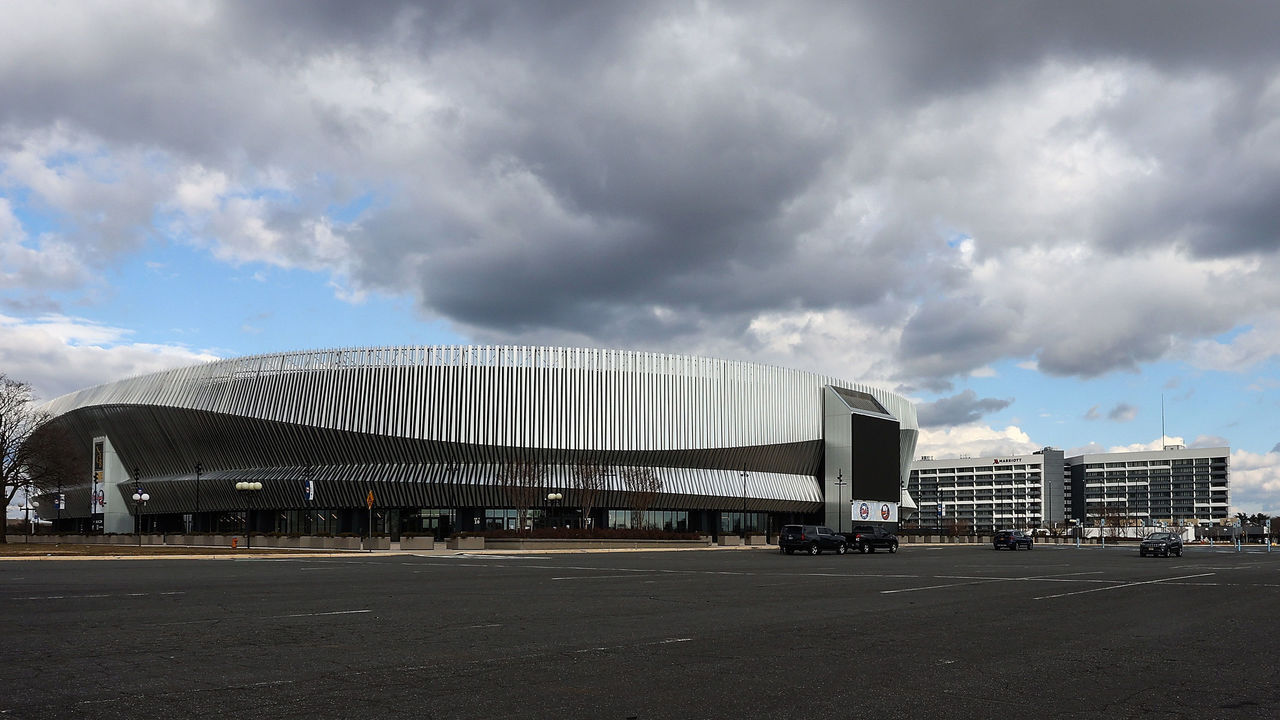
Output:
x,y
264,617
321,614
936,587
591,577
85,597
982,580
668,641
1126,585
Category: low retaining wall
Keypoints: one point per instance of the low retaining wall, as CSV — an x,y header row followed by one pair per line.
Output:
x,y
465,543
417,543
214,540
585,543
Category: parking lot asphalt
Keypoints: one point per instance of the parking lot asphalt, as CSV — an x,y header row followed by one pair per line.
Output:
x,y
943,631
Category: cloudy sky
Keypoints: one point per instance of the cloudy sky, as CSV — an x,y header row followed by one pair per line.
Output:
x,y
1039,220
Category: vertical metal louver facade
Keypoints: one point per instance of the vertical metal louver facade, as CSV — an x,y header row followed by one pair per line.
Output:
x,y
432,426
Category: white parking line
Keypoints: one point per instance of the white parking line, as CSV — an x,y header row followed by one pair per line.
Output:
x,y
1125,585
101,595
318,614
667,641
591,577
981,580
264,617
938,587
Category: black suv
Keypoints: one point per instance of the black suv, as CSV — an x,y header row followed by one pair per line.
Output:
x,y
812,539
866,538
1161,543
1012,539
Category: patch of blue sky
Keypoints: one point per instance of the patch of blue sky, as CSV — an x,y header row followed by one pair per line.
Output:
x,y
352,210
277,195
955,240
1056,410
61,159
35,218
177,294
1227,337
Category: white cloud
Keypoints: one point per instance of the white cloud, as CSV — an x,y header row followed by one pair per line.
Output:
x,y
1242,352
836,342
975,440
58,354
1155,444
1255,482
200,189
47,262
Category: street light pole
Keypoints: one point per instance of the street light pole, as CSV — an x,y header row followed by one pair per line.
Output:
x,y
140,499
196,518
840,483
553,500
247,490
27,509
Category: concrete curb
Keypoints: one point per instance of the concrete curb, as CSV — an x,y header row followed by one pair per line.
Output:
x,y
241,554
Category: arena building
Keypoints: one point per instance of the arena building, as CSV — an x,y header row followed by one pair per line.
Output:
x,y
445,439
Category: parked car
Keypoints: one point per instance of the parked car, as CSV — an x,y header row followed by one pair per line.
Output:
x,y
866,538
1012,539
1161,543
812,539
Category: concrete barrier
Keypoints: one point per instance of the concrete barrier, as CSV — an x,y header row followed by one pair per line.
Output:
x,y
465,543
417,543
517,543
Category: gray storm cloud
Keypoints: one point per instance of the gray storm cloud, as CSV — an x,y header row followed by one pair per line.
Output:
x,y
948,177
965,407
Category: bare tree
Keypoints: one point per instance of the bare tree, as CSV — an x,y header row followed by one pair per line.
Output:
x,y
1115,517
589,481
643,486
524,482
34,455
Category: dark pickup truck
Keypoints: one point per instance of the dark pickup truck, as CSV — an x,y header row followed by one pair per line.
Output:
x,y
867,538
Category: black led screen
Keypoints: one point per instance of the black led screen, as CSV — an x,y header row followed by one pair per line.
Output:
x,y
875,458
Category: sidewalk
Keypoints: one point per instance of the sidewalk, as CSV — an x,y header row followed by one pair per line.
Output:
x,y
42,551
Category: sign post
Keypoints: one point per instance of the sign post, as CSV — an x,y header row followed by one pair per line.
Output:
x,y
369,502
